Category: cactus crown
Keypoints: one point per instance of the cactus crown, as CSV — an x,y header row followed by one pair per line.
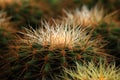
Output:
x,y
84,16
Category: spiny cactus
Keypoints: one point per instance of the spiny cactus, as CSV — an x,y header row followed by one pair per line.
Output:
x,y
92,71
6,36
111,33
109,29
104,25
17,8
44,51
84,16
5,22
6,28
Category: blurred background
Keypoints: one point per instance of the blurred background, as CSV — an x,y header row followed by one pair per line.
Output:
x,y
25,12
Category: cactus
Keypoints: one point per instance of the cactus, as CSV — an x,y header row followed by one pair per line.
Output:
x,y
84,16
44,51
22,10
92,71
6,36
110,32
103,25
6,28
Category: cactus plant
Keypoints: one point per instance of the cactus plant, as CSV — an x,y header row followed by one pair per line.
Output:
x,y
6,28
110,32
6,36
84,16
22,10
44,51
104,25
92,71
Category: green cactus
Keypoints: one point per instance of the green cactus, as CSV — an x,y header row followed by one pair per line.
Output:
x,y
111,33
44,52
6,36
92,71
23,12
104,25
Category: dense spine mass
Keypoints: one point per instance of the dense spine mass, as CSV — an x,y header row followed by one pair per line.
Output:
x,y
50,48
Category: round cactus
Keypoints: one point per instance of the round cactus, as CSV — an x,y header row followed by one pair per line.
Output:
x,y
104,25
92,71
6,36
44,51
84,16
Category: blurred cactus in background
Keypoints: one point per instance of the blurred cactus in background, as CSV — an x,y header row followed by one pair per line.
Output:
x,y
84,17
5,28
111,33
105,25
29,12
6,36
23,12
